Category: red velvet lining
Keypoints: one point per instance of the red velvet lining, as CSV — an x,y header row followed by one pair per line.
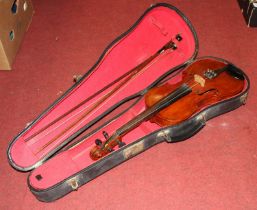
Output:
x,y
155,29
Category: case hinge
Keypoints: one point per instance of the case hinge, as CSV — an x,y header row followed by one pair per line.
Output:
x,y
28,124
76,78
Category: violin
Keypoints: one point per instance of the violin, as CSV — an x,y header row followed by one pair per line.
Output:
x,y
204,83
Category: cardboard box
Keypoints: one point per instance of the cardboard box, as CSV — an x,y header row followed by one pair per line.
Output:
x,y
249,11
15,17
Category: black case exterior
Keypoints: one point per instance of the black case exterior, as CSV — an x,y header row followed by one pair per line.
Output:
x,y
169,134
249,11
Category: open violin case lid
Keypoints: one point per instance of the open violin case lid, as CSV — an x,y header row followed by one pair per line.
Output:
x,y
56,146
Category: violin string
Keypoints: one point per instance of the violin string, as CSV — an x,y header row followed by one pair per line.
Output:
x,y
105,144
116,135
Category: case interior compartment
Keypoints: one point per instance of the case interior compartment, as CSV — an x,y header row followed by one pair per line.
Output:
x,y
158,26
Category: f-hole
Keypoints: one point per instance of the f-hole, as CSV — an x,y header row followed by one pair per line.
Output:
x,y
14,7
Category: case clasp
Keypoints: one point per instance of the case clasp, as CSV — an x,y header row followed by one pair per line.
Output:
x,y
243,98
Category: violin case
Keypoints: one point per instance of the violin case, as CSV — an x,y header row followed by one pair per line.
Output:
x,y
64,164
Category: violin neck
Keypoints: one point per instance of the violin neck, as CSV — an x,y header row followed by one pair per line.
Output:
x,y
150,112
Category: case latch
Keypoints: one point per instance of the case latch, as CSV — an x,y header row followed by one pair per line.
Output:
x,y
243,98
166,135
73,183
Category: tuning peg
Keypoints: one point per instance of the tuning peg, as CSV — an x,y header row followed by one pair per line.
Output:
x,y
98,142
174,46
121,144
111,150
178,37
106,135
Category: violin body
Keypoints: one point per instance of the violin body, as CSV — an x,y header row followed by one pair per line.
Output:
x,y
227,84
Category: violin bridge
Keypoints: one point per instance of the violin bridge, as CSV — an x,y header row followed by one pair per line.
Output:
x,y
199,80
